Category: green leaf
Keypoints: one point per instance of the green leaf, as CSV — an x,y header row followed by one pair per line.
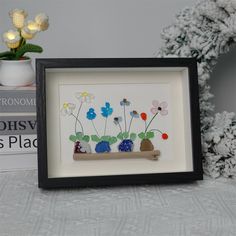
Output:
x,y
72,138
7,55
79,135
133,136
112,140
95,138
105,138
125,135
86,138
120,136
141,135
27,48
150,135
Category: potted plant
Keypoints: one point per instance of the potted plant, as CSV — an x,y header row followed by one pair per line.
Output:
x,y
103,142
158,108
15,66
127,138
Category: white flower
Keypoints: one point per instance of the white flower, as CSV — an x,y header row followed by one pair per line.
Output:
x,y
18,17
12,38
67,108
43,21
29,30
85,97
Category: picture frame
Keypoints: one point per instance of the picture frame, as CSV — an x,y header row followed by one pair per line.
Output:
x,y
117,121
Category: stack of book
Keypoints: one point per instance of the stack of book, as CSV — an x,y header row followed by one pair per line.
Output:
x,y
18,128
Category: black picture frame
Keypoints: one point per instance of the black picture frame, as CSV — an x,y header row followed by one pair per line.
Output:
x,y
150,178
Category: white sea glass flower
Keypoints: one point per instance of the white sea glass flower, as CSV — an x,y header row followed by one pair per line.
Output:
x,y
42,21
12,38
67,108
85,97
18,17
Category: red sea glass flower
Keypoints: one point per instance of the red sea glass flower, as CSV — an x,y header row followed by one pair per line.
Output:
x,y
143,116
164,136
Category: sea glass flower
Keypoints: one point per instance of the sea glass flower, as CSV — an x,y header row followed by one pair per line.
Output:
x,y
18,17
67,108
91,115
143,116
117,120
124,102
107,110
12,38
42,21
134,114
29,30
85,97
159,108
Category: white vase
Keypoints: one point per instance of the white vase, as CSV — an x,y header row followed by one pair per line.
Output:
x,y
16,73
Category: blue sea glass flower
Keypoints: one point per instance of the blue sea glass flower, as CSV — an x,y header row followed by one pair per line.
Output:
x,y
124,102
91,115
107,110
134,114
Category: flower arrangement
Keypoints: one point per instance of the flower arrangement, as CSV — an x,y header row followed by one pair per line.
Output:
x,y
124,123
127,138
146,135
103,142
16,40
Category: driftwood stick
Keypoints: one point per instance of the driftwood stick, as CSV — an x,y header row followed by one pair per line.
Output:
x,y
152,155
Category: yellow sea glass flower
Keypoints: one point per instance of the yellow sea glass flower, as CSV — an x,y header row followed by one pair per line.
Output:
x,y
18,17
42,21
85,97
12,38
67,108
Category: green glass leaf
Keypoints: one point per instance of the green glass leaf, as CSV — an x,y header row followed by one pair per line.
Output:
x,y
120,136
150,135
95,138
141,135
86,138
133,136
73,138
79,135
112,140
105,138
125,135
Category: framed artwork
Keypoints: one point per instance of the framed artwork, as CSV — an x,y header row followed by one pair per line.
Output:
x,y
117,121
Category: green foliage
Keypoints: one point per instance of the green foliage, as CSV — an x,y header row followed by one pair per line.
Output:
x,y
27,48
148,135
7,55
73,138
110,139
95,138
79,137
133,136
126,135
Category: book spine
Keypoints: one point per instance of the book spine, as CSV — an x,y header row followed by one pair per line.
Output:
x,y
13,101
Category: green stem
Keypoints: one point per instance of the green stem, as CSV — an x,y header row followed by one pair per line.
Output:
x,y
156,130
77,117
130,124
150,122
77,120
105,128
120,127
95,129
125,119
